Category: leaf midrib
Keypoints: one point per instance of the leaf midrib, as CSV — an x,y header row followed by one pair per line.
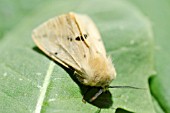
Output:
x,y
44,88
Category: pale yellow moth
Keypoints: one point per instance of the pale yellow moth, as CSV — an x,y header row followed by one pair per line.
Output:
x,y
73,40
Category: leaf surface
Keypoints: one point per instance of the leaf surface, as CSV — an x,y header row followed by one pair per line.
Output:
x,y
30,81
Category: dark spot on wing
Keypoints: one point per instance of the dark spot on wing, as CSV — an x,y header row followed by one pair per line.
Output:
x,y
85,36
55,53
82,38
78,38
69,38
84,55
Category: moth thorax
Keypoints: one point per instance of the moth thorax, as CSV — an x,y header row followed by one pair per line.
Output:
x,y
101,71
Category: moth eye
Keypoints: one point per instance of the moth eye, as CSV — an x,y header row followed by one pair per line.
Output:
x,y
78,38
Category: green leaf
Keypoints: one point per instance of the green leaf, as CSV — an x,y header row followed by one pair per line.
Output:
x,y
13,11
30,81
159,17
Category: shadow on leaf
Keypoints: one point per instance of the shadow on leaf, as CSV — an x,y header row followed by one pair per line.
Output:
x,y
119,110
39,51
103,101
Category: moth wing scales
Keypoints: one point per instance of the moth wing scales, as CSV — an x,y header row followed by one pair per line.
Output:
x,y
74,41
58,35
88,27
48,53
52,37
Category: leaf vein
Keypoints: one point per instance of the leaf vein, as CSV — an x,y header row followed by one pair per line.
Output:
x,y
44,88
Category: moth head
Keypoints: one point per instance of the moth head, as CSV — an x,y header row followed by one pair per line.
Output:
x,y
100,72
101,90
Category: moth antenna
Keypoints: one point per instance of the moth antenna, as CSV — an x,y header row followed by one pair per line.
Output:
x,y
96,95
131,87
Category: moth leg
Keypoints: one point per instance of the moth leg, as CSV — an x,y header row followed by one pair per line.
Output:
x,y
83,100
79,76
97,95
80,79
75,73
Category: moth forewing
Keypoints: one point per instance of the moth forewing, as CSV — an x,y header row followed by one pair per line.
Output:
x,y
46,52
88,27
50,39
74,41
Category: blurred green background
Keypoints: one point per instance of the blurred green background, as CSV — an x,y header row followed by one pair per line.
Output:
x,y
13,12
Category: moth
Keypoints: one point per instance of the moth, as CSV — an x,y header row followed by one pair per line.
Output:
x,y
74,41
